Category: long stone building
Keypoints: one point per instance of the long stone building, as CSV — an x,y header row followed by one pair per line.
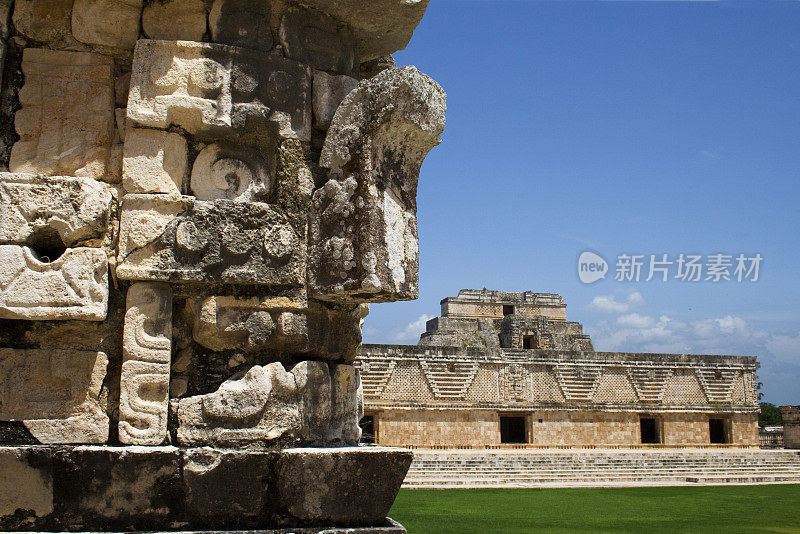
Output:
x,y
508,368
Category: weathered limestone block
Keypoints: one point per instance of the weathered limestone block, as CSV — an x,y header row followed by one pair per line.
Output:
x,y
35,209
314,382
220,91
66,122
329,91
220,241
26,487
55,393
363,226
381,27
255,408
43,20
241,23
118,488
154,161
318,40
180,20
112,23
233,172
73,286
347,407
146,355
225,322
339,486
227,488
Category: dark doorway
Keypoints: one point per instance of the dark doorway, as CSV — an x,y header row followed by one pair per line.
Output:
x,y
649,430
717,431
508,309
512,429
529,342
367,425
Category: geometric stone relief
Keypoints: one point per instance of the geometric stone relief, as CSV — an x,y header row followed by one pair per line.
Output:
x,y
514,383
73,286
38,209
217,90
232,172
55,393
279,323
67,117
578,382
268,405
363,227
184,239
146,356
449,380
717,383
375,374
319,40
649,382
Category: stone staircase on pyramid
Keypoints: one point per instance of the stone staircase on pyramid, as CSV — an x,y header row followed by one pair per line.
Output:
x,y
600,468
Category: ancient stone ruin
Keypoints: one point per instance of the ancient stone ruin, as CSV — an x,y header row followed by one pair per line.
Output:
x,y
202,198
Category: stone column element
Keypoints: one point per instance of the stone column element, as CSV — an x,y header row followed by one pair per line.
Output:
x,y
147,347
791,426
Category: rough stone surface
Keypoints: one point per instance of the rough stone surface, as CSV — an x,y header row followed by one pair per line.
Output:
x,y
43,20
224,241
366,484
318,40
241,23
118,488
155,161
363,229
66,122
226,323
122,489
227,488
219,90
175,20
55,393
26,487
791,426
51,211
112,23
346,405
147,351
329,91
74,286
380,26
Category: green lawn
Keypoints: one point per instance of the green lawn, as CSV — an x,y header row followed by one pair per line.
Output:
x,y
727,509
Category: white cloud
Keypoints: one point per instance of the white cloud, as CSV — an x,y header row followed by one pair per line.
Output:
x,y
608,303
785,348
410,334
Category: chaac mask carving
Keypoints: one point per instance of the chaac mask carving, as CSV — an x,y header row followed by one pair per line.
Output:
x,y
226,209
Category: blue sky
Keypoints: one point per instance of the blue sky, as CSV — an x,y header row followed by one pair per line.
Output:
x,y
616,127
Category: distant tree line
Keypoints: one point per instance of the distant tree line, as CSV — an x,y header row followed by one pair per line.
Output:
x,y
770,415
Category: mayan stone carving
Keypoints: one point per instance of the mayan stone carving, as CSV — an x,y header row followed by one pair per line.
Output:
x,y
201,200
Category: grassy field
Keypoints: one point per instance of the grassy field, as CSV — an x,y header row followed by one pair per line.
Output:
x,y
727,509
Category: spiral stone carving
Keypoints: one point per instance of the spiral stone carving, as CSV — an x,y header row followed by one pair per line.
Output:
x,y
223,172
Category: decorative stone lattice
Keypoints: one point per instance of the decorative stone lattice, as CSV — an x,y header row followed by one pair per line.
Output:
x,y
578,382
449,380
514,383
649,382
375,374
717,383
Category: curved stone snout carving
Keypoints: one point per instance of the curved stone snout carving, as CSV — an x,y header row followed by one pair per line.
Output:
x,y
363,225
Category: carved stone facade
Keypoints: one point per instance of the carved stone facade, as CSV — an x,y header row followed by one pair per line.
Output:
x,y
470,383
201,198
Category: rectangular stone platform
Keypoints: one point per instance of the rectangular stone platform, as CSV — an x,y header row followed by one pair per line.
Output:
x,y
88,488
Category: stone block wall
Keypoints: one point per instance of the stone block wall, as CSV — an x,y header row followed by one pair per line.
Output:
x,y
791,426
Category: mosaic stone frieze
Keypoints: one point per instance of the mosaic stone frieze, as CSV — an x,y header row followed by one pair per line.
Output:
x,y
73,286
221,241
